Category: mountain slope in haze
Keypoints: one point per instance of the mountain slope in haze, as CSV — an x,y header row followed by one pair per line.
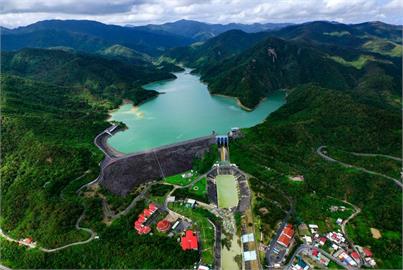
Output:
x,y
200,31
202,55
360,36
104,78
89,36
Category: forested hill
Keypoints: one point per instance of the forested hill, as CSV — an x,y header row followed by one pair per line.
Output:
x,y
286,143
103,78
370,36
88,36
53,104
202,55
275,64
200,31
249,66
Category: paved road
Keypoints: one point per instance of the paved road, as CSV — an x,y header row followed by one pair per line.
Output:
x,y
108,212
326,157
375,155
357,210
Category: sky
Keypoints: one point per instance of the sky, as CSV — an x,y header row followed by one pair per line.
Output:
x,y
14,13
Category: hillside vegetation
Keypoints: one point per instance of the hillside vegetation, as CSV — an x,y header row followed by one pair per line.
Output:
x,y
53,104
102,78
285,144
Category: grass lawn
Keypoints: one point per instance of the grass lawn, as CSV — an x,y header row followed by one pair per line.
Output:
x,y
199,188
203,226
227,191
179,180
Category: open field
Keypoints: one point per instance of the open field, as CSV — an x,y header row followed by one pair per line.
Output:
x,y
179,180
199,188
227,191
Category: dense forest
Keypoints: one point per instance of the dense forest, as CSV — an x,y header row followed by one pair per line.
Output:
x,y
48,125
285,144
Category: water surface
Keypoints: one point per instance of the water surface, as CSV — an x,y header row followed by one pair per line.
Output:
x,y
185,111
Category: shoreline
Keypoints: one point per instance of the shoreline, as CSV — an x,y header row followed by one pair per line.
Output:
x,y
239,103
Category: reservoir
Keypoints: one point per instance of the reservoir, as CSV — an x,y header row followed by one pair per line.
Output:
x,y
185,110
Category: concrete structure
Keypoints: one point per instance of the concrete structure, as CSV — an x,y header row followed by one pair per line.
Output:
x,y
120,175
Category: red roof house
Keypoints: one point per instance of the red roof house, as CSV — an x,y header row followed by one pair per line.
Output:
x,y
152,207
147,213
315,252
145,230
284,240
164,225
288,231
189,241
28,240
367,252
355,256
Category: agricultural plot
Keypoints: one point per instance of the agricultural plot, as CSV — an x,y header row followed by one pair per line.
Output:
x,y
227,191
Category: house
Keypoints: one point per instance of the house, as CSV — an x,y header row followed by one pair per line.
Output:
x,y
250,255
142,218
322,241
314,228
163,225
355,256
190,203
307,239
339,221
189,241
367,252
325,261
27,240
286,236
284,240
203,267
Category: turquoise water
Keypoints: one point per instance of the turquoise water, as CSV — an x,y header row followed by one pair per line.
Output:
x,y
185,111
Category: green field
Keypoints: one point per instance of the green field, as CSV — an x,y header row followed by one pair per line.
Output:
x,y
227,191
177,179
200,187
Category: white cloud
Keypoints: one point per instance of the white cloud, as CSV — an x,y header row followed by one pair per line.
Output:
x,y
21,12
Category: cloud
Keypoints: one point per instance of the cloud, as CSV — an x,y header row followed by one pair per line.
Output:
x,y
21,12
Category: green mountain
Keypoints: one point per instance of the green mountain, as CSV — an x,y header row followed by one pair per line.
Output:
x,y
47,154
53,102
360,36
102,78
200,31
126,54
285,144
88,36
276,64
202,55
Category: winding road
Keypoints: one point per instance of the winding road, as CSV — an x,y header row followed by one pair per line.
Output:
x,y
320,149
